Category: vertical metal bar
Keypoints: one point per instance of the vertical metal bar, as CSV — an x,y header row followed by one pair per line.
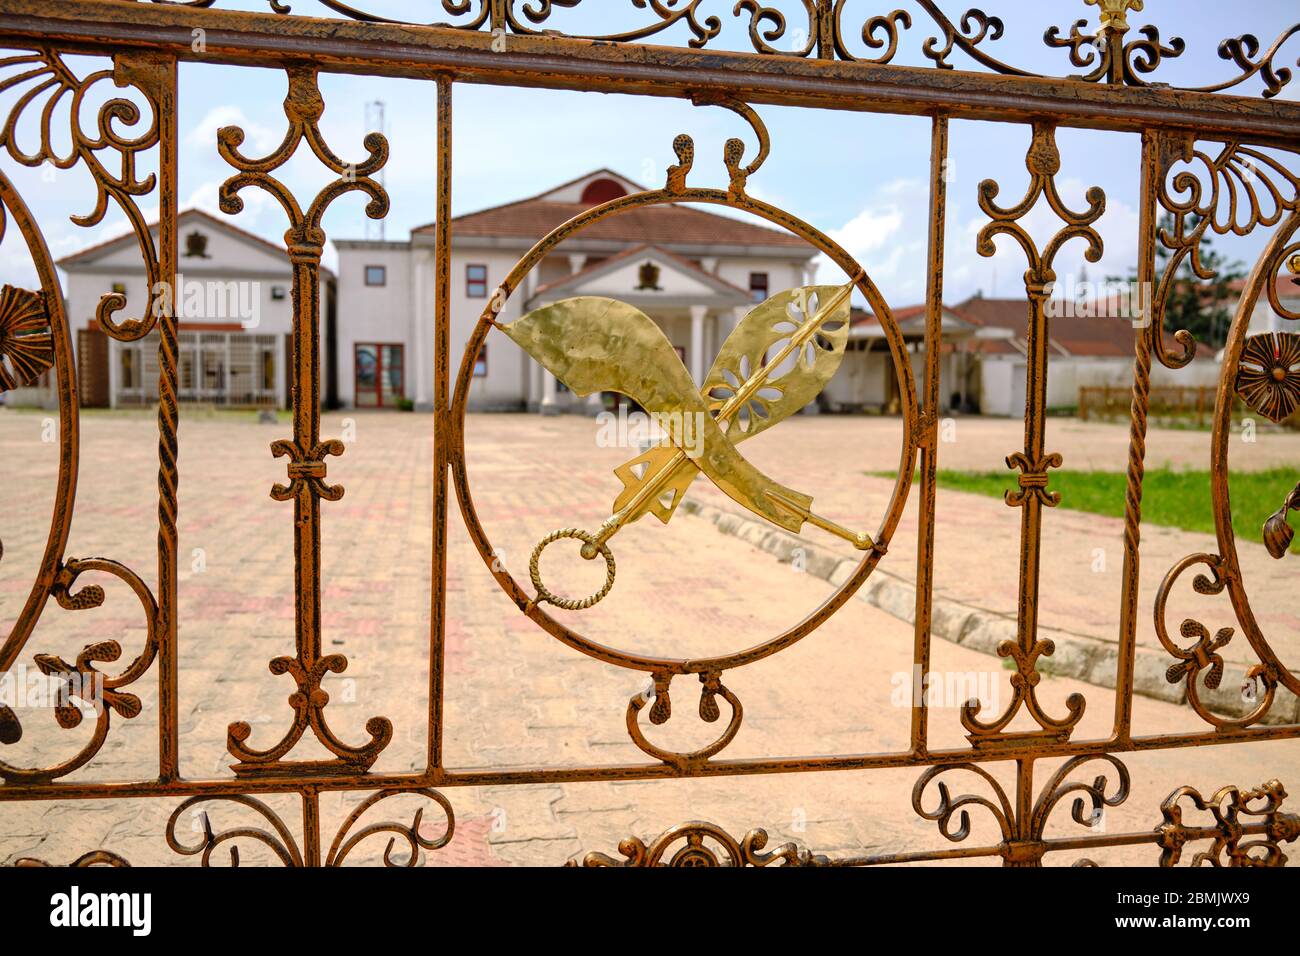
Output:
x,y
311,827
168,425
441,421
306,436
824,27
930,440
1031,512
1145,338
1024,823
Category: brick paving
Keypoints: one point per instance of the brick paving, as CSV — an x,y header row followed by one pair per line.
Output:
x,y
515,697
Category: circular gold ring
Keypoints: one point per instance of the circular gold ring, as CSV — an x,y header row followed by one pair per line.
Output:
x,y
591,548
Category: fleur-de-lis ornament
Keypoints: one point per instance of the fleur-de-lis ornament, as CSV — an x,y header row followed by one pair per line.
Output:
x,y
1114,13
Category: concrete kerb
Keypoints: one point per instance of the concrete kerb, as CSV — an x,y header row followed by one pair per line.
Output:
x,y
1079,656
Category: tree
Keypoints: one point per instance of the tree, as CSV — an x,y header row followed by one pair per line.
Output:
x,y
1201,306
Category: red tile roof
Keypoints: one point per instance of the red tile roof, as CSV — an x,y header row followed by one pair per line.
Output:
x,y
1100,336
1288,286
650,225
182,216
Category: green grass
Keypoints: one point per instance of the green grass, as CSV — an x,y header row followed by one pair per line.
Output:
x,y
1173,499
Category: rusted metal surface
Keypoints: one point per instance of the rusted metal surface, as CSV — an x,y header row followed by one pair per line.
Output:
x,y
1203,166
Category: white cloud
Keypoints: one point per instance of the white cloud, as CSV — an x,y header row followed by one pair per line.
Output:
x,y
258,139
890,237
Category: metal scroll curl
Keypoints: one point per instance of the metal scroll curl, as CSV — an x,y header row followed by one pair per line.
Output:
x,y
36,335
817,334
1245,370
275,835
700,844
48,83
1023,837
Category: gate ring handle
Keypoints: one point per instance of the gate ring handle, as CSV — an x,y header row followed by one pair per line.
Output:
x,y
591,547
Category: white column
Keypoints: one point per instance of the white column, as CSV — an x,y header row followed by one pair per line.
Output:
x,y
550,388
114,364
696,357
420,367
534,384
577,262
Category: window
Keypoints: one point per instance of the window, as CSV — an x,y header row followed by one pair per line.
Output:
x,y
279,293
268,370
480,363
376,275
758,286
128,369
476,279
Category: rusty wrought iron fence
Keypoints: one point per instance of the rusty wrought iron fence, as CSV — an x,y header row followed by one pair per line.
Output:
x,y
1212,161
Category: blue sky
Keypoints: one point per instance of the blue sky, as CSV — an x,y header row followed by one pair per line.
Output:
x,y
860,177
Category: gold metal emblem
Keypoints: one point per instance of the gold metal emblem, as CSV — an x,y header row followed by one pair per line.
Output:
x,y
775,362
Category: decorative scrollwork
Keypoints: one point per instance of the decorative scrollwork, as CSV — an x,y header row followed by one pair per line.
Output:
x,y
1043,162
1022,842
1000,807
824,34
276,835
305,241
1229,832
1203,656
85,861
704,845
976,28
1247,188
1092,797
278,838
1102,51
1033,480
412,833
1244,51
661,712
45,76
733,151
81,680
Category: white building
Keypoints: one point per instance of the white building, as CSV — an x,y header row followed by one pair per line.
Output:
x,y
695,272
235,315
692,271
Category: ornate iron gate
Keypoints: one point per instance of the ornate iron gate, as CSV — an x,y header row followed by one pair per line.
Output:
x,y
1211,161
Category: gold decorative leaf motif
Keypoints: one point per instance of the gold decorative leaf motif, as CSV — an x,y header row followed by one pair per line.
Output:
x,y
595,344
759,335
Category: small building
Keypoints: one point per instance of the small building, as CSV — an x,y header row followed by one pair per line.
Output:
x,y
234,312
1083,350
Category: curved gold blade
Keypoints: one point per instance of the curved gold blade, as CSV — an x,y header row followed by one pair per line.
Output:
x,y
595,344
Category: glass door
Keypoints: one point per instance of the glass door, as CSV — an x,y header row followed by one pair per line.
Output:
x,y
380,375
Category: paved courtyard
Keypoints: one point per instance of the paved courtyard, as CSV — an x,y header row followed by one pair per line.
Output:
x,y
515,697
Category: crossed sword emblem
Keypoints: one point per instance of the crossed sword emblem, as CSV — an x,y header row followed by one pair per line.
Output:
x,y
595,344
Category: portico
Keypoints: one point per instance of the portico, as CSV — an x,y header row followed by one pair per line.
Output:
x,y
695,309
